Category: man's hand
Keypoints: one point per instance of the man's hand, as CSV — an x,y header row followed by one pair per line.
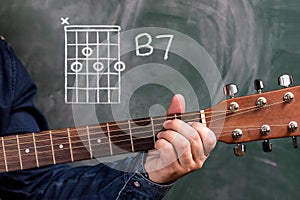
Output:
x,y
180,149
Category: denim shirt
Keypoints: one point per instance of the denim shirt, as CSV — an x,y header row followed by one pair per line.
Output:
x,y
19,115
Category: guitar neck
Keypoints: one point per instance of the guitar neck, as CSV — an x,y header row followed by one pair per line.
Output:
x,y
30,150
236,120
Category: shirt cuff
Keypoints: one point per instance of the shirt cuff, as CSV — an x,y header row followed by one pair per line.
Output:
x,y
139,186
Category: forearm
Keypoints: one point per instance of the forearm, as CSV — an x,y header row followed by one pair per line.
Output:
x,y
101,181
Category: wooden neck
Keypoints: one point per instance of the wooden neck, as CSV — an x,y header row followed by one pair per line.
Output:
x,y
32,150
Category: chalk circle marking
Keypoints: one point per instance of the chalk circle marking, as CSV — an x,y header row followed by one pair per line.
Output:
x,y
87,51
98,66
76,66
119,66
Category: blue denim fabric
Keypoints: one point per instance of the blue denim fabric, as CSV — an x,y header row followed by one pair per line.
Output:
x,y
19,115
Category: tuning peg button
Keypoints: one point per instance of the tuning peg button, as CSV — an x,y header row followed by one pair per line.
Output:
x,y
239,150
285,80
230,90
258,85
267,146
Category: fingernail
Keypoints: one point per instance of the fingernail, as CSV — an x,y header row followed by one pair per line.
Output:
x,y
158,135
179,96
166,123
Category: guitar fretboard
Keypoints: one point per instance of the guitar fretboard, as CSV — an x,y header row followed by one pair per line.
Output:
x,y
32,150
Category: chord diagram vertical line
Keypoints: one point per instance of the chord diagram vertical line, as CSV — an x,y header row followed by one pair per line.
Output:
x,y
119,71
35,150
87,66
4,154
108,67
76,72
66,64
19,152
98,55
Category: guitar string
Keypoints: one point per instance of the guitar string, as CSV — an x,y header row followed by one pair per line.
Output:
x,y
247,128
106,143
138,127
149,137
41,160
103,143
123,130
126,123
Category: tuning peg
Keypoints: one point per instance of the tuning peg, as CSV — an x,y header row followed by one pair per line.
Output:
x,y
239,150
267,146
285,80
295,142
258,85
230,90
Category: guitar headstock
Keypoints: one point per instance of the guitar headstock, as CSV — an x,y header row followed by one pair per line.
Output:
x,y
261,116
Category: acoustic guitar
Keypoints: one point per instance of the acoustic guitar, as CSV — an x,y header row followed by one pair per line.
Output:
x,y
261,116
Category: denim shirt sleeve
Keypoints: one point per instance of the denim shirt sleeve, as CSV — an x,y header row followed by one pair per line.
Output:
x,y
102,181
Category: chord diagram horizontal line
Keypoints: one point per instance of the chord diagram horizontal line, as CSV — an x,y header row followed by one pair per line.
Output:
x,y
93,102
93,44
94,28
91,30
92,59
93,73
99,88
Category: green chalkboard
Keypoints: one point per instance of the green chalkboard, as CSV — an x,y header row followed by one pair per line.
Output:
x,y
246,39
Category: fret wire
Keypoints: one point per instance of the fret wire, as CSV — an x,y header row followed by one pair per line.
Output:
x,y
119,141
89,141
189,114
70,145
146,126
185,114
55,131
108,133
124,140
253,128
139,143
35,150
19,152
153,131
52,147
129,127
137,139
202,117
4,154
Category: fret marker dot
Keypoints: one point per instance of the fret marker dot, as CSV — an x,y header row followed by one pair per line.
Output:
x,y
27,150
99,140
61,146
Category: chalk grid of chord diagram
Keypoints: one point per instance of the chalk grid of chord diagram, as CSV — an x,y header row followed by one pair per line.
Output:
x,y
92,64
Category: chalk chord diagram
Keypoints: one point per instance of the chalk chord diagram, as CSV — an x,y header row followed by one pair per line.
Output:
x,y
92,64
